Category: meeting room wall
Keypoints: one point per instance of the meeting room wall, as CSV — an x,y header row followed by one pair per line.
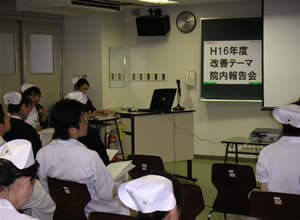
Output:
x,y
174,54
86,51
177,53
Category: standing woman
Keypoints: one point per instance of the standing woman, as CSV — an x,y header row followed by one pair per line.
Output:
x,y
18,170
38,115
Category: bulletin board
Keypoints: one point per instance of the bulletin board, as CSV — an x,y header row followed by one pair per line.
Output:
x,y
231,51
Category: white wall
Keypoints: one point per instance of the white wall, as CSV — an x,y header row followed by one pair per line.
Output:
x,y
87,39
174,54
281,28
82,53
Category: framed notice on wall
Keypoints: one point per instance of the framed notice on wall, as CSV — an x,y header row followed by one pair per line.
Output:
x,y
231,59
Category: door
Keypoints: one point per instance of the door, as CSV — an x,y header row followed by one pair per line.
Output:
x,y
42,59
10,68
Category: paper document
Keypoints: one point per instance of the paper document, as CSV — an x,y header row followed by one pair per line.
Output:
x,y
46,135
120,168
46,131
111,153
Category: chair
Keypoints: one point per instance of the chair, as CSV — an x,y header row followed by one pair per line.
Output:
x,y
233,183
70,199
274,206
145,164
193,203
109,216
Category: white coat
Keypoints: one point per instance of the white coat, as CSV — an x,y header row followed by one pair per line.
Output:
x,y
73,161
8,212
278,165
40,205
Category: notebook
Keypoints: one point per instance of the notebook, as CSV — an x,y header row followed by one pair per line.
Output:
x,y
162,100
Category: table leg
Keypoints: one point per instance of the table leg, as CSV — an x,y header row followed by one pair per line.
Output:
x,y
189,172
226,153
236,154
119,137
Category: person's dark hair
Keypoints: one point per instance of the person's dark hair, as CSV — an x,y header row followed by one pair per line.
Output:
x,y
289,130
66,114
9,172
177,189
81,82
32,91
2,115
16,108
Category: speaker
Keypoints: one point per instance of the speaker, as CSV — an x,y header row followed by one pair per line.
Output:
x,y
152,25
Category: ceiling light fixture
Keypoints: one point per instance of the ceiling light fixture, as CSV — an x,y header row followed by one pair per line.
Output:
x,y
160,1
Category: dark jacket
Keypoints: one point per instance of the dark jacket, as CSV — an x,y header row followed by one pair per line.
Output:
x,y
44,124
93,141
21,130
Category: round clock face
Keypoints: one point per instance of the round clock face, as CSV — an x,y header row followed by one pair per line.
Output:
x,y
186,22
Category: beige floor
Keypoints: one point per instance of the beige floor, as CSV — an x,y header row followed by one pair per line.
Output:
x,y
202,171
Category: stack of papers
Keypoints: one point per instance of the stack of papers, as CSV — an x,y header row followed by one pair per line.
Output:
x,y
120,169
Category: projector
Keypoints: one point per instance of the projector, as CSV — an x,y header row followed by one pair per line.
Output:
x,y
265,135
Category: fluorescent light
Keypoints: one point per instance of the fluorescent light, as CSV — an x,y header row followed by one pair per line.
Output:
x,y
159,1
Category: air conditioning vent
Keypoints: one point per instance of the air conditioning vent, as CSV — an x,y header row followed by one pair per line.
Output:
x,y
98,3
68,7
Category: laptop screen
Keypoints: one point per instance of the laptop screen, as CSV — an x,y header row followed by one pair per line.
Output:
x,y
162,100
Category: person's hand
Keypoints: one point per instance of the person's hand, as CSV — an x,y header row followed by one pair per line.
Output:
x,y
38,128
102,112
117,115
43,114
110,112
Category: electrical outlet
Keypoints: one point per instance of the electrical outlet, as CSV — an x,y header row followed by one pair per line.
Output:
x,y
163,76
133,76
147,76
120,76
141,76
155,76
112,76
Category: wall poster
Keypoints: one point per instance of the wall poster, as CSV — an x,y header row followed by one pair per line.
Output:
x,y
232,62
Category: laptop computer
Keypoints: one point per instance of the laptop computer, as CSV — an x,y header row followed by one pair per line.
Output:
x,y
162,100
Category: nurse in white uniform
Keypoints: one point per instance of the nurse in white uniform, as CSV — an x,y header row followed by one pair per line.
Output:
x,y
38,115
17,176
278,165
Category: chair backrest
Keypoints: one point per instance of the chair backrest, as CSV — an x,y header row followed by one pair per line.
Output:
x,y
274,206
108,216
70,199
233,183
193,202
145,164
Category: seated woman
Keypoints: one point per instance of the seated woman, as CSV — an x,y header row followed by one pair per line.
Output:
x,y
18,170
19,107
38,115
278,167
83,86
154,197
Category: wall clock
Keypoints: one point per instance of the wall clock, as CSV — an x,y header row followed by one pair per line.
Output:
x,y
186,22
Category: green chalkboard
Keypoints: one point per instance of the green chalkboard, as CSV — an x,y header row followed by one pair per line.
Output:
x,y
236,29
